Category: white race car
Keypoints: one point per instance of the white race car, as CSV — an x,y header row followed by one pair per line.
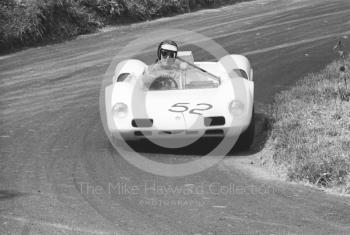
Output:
x,y
186,101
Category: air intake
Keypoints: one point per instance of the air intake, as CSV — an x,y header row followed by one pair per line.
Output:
x,y
214,132
142,122
214,121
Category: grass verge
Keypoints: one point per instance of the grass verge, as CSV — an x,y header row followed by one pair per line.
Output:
x,y
310,130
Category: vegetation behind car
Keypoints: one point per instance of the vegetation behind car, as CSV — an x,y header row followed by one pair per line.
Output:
x,y
28,22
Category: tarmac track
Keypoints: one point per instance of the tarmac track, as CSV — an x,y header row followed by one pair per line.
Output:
x,y
57,165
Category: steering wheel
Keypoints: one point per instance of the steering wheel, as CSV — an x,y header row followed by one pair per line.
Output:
x,y
163,83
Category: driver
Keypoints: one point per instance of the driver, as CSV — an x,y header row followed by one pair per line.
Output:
x,y
166,62
167,53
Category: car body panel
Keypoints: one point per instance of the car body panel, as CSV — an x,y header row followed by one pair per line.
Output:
x,y
179,113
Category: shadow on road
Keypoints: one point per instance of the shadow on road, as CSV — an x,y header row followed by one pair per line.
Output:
x,y
10,194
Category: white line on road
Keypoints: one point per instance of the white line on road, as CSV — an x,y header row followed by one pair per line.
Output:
x,y
56,225
246,220
290,44
306,19
219,206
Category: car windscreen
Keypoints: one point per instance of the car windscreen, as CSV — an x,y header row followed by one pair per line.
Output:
x,y
177,76
195,79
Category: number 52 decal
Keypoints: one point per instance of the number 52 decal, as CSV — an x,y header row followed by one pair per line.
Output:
x,y
183,107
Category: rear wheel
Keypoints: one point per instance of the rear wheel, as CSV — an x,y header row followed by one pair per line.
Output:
x,y
246,139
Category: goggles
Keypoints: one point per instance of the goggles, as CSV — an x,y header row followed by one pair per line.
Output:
x,y
168,54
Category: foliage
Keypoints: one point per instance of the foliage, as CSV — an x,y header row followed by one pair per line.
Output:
x,y
27,22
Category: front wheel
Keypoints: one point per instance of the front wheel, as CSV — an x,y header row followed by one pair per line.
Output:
x,y
246,139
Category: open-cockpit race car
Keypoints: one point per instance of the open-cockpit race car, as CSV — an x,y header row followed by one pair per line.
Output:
x,y
183,100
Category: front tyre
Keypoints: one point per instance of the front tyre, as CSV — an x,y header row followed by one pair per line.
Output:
x,y
246,139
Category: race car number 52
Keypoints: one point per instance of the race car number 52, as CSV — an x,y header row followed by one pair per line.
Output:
x,y
184,107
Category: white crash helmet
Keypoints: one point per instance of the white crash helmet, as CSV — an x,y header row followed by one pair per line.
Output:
x,y
167,48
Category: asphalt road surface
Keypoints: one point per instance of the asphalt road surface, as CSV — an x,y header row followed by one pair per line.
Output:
x,y
60,175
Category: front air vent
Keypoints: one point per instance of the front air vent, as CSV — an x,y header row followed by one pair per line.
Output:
x,y
142,133
142,122
214,132
214,121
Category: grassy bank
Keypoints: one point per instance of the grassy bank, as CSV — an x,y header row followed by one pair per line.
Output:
x,y
28,22
310,135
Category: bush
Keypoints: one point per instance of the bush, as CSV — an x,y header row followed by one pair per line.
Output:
x,y
62,18
137,10
41,20
19,24
51,20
